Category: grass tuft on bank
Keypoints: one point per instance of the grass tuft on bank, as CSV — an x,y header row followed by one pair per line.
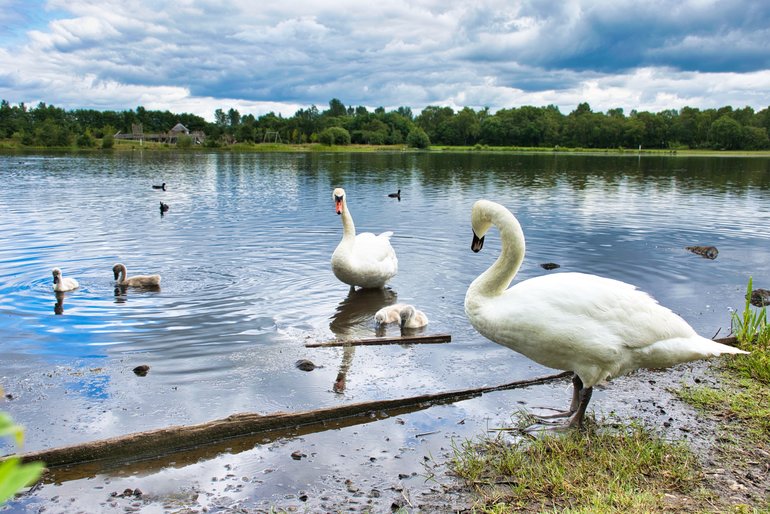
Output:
x,y
743,401
621,469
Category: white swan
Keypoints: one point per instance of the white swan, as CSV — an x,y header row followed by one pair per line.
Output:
x,y
389,314
120,273
61,283
596,327
363,260
412,318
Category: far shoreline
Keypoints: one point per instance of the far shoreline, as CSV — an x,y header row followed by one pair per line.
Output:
x,y
8,147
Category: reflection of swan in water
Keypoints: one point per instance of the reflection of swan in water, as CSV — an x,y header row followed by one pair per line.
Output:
x,y
120,273
58,307
61,283
354,314
353,319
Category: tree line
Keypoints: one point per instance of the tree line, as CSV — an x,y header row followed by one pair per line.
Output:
x,y
527,126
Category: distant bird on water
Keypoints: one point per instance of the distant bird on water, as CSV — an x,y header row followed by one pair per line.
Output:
x,y
163,207
596,327
162,186
395,195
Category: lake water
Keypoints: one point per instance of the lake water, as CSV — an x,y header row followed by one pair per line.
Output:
x,y
244,253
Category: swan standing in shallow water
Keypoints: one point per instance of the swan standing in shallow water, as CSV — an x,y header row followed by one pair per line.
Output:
x,y
363,260
61,283
596,327
120,273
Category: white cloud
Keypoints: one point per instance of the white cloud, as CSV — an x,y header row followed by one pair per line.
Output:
x,y
198,56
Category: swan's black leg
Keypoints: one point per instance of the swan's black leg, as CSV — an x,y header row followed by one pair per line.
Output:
x,y
577,387
577,418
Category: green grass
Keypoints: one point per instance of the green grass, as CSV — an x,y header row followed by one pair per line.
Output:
x,y
744,398
600,470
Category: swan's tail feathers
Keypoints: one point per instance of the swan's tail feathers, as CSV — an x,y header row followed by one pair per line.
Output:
x,y
715,348
387,234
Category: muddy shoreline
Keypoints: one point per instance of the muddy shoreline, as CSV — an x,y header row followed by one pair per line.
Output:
x,y
407,466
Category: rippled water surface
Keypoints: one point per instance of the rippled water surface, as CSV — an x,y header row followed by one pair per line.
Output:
x,y
244,256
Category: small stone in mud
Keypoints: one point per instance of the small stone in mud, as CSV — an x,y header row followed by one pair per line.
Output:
x,y
709,252
297,455
9,396
142,370
760,297
550,265
305,365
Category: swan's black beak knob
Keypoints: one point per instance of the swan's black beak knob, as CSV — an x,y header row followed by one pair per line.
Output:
x,y
478,243
338,204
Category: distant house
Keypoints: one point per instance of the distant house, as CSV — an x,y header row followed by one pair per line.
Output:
x,y
171,137
179,129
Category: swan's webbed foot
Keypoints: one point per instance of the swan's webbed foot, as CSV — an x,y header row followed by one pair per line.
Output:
x,y
580,398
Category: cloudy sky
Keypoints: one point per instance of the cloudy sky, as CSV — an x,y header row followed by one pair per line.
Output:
x,y
199,55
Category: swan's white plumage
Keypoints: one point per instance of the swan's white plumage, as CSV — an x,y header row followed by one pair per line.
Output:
x,y
364,260
61,283
122,278
597,327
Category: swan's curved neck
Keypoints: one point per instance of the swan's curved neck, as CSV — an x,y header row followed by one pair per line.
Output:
x,y
348,228
121,274
495,280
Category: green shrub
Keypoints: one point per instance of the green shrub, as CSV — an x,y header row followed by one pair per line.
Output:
x,y
334,136
417,138
85,140
184,142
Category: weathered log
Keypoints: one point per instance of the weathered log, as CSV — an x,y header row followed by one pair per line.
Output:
x,y
164,441
424,339
729,340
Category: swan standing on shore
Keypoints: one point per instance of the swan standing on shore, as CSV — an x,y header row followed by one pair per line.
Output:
x,y
61,283
363,260
120,273
596,327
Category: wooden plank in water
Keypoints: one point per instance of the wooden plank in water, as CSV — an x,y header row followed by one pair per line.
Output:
x,y
165,441
423,339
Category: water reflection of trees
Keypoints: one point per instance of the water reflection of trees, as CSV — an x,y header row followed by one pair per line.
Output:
x,y
354,318
469,170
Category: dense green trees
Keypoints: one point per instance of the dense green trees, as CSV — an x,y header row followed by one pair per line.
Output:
x,y
526,126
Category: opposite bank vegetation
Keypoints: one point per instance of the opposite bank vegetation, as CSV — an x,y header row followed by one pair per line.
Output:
x,y
724,128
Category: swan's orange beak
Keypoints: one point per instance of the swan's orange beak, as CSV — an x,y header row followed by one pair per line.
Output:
x,y
478,243
338,204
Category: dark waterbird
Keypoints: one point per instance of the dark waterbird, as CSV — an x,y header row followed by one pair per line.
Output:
x,y
162,186
395,195
163,207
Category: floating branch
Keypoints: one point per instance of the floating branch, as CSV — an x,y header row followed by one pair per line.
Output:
x,y
152,444
429,339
